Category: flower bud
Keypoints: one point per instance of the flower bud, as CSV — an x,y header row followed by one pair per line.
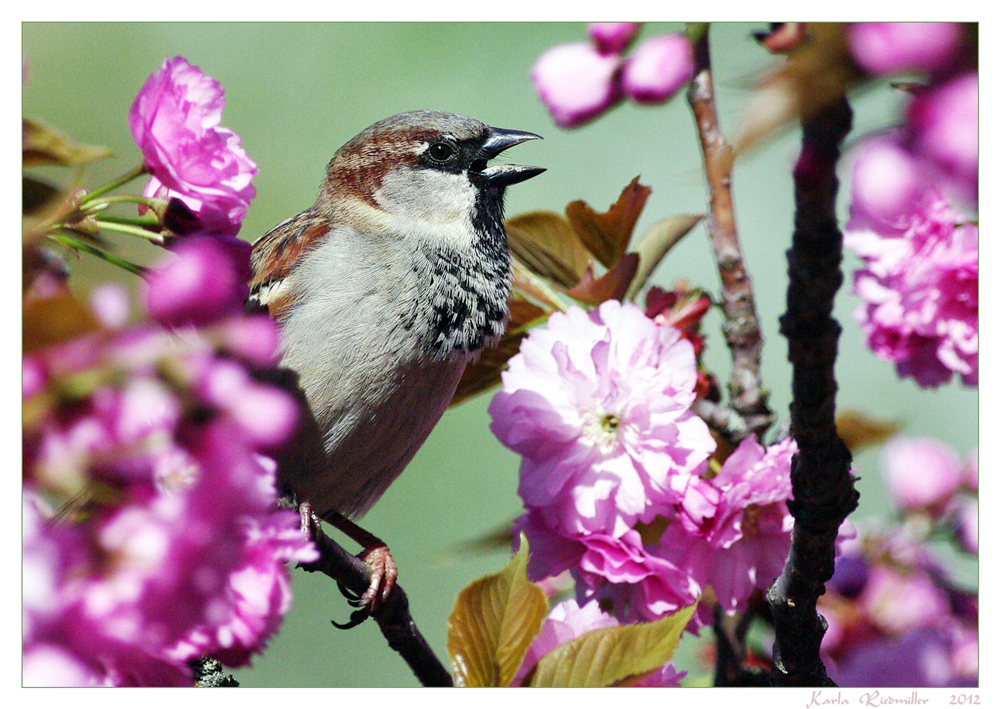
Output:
x,y
658,69
886,181
922,473
201,285
945,124
576,82
612,37
890,47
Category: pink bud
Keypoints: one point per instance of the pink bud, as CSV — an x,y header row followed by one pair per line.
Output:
x,y
109,302
254,338
946,125
612,37
922,473
967,525
970,471
658,68
885,180
889,47
576,82
33,377
202,284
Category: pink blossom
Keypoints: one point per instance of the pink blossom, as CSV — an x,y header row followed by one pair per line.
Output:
x,y
970,471
658,68
922,473
919,658
889,47
576,82
183,552
919,287
612,37
110,304
944,120
897,601
597,405
886,180
175,122
552,551
966,521
744,545
204,280
639,584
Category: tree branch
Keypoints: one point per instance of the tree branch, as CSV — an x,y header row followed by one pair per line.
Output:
x,y
393,617
741,329
822,486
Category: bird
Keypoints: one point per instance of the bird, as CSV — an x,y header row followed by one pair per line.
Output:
x,y
384,290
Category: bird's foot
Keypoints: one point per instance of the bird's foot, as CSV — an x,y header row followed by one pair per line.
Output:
x,y
384,573
375,553
308,521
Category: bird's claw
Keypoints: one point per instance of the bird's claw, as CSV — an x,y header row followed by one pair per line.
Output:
x,y
383,580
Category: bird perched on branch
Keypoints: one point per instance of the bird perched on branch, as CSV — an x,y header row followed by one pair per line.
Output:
x,y
384,290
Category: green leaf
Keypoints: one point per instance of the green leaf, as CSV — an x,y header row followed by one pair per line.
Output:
x,y
604,657
656,243
493,623
42,145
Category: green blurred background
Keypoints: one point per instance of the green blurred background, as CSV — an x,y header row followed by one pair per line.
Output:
x,y
296,92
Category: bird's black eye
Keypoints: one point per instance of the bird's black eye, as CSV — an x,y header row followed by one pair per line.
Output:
x,y
442,151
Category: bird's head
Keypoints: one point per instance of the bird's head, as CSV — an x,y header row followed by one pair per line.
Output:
x,y
425,167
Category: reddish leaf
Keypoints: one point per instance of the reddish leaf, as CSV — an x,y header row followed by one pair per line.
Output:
x,y
611,286
607,234
547,245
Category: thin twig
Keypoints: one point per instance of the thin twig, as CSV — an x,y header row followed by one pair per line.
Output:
x,y
822,486
741,329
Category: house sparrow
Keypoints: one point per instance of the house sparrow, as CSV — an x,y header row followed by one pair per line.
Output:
x,y
384,290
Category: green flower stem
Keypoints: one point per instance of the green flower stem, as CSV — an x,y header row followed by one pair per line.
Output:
x,y
97,205
150,236
99,253
147,221
127,177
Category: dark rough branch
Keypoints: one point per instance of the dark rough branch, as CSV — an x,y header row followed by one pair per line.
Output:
x,y
393,617
822,485
741,329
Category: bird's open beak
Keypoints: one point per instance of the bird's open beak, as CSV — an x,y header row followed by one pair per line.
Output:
x,y
502,175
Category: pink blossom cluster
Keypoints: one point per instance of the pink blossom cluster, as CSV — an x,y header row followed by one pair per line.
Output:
x,y
175,122
566,622
578,82
615,473
896,616
921,274
151,535
919,284
940,139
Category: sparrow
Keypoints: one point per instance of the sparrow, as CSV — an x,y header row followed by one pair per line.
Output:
x,y
384,291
